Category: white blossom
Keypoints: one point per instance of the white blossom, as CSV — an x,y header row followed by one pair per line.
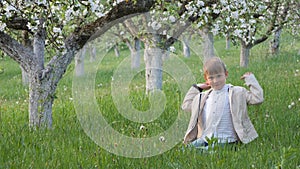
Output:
x,y
117,2
216,28
162,139
261,7
56,30
172,49
252,21
237,32
30,27
44,3
242,20
100,14
200,3
155,25
216,11
68,14
142,127
172,19
262,18
199,24
224,2
10,8
227,19
235,15
2,26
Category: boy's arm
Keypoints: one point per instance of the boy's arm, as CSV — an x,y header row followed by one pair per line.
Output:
x,y
255,95
188,99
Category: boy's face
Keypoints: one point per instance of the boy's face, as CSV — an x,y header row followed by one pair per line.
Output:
x,y
216,81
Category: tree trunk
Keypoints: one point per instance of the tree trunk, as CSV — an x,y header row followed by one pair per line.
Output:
x,y
166,54
154,63
79,62
41,100
93,53
275,43
208,43
43,81
116,49
40,104
186,45
136,54
227,41
25,77
244,55
27,43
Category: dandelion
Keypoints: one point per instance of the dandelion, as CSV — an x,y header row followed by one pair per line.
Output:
x,y
162,139
142,127
293,104
290,106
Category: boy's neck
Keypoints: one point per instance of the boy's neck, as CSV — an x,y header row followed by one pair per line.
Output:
x,y
223,88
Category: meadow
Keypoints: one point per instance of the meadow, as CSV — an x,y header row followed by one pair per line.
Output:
x,y
66,145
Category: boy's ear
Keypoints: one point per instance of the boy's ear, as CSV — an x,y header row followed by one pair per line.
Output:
x,y
205,77
226,74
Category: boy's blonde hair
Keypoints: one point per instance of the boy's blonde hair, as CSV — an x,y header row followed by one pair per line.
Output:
x,y
214,65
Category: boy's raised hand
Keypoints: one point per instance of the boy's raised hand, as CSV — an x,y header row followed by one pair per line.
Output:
x,y
246,75
204,86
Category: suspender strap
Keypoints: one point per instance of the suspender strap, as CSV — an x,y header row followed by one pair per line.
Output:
x,y
197,87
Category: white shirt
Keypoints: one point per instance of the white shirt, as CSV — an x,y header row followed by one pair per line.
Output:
x,y
217,117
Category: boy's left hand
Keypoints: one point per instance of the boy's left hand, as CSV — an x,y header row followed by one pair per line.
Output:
x,y
246,75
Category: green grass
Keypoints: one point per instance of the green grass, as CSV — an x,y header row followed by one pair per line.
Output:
x,y
67,145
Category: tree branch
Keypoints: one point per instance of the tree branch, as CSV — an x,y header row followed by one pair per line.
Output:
x,y
15,50
118,14
81,36
17,24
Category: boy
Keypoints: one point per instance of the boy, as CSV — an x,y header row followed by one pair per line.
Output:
x,y
221,111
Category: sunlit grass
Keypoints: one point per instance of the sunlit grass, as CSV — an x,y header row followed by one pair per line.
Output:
x,y
67,145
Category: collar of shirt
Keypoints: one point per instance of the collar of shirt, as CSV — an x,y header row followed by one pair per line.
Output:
x,y
224,89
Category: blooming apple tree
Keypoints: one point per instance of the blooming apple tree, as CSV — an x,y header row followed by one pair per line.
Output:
x,y
252,22
57,29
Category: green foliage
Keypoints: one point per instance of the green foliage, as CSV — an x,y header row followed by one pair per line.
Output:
x,y
67,145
